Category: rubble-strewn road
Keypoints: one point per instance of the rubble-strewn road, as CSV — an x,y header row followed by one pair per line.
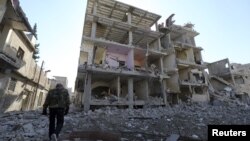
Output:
x,y
138,124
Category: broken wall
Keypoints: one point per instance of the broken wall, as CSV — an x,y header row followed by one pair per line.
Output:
x,y
218,84
139,62
113,59
219,68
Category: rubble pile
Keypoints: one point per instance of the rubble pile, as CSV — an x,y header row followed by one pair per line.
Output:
x,y
132,124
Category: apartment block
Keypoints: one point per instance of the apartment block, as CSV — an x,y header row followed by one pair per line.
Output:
x,y
23,84
123,62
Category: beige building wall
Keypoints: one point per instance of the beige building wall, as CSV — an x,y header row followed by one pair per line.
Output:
x,y
18,41
18,86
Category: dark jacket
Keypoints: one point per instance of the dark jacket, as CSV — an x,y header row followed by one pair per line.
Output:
x,y
57,98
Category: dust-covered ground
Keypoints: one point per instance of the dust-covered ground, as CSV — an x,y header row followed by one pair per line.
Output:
x,y
148,123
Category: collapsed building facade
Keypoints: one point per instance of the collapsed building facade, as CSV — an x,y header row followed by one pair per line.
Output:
x,y
23,84
124,62
230,79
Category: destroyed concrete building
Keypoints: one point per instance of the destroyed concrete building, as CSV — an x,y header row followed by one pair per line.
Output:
x,y
232,80
23,84
124,62
184,63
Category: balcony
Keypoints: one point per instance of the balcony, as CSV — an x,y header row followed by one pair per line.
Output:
x,y
185,64
9,59
105,69
198,83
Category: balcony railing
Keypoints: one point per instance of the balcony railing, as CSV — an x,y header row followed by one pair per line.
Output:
x,y
9,56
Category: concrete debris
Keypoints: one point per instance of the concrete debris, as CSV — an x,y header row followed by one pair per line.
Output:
x,y
188,121
173,137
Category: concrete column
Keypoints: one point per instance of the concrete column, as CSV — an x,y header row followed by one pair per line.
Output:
x,y
93,28
129,18
130,59
156,26
159,43
146,56
130,34
118,87
130,38
163,86
130,92
168,37
161,63
95,8
87,92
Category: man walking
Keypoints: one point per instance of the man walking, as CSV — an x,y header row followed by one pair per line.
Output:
x,y
58,102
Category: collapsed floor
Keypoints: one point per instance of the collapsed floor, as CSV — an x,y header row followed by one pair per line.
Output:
x,y
127,124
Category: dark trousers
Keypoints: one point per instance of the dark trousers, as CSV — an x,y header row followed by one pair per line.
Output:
x,y
56,117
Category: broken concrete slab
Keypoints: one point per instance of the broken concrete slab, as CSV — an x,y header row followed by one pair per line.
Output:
x,y
173,137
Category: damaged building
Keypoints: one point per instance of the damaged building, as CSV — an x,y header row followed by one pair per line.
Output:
x,y
124,62
183,63
230,79
23,84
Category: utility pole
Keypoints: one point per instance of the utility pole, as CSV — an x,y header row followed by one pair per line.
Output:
x,y
37,85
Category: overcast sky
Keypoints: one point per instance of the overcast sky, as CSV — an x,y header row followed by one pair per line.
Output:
x,y
224,28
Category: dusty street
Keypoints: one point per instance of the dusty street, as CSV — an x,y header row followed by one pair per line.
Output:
x,y
139,124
